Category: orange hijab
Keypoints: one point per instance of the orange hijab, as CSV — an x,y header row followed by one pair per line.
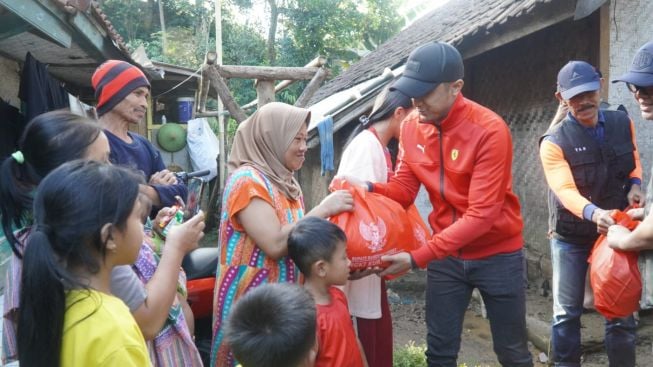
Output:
x,y
261,141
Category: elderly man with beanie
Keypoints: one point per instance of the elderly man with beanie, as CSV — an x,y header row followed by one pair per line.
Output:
x,y
121,90
591,164
462,153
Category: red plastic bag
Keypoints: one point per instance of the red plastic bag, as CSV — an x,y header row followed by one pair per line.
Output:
x,y
615,276
421,232
378,226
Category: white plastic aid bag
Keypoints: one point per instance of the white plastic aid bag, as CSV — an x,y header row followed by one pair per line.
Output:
x,y
203,147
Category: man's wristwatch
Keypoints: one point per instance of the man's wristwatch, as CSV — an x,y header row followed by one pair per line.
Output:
x,y
370,186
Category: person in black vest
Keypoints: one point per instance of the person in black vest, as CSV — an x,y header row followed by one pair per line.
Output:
x,y
591,164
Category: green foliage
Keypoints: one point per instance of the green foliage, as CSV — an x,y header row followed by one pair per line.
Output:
x,y
340,30
241,46
381,23
410,355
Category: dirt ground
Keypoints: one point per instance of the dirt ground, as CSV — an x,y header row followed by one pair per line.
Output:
x,y
407,294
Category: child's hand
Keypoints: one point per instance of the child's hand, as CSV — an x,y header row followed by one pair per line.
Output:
x,y
185,237
164,215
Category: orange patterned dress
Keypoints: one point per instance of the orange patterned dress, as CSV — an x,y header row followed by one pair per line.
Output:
x,y
243,265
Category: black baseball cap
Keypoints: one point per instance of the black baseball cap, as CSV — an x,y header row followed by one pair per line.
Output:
x,y
428,66
641,69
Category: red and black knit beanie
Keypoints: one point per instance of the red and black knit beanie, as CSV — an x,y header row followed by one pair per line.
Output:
x,y
113,81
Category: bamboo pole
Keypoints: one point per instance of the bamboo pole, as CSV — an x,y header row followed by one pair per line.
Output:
x,y
311,88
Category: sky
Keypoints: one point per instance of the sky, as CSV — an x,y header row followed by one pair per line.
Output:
x,y
409,9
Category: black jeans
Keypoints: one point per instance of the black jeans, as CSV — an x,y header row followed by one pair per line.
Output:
x,y
501,281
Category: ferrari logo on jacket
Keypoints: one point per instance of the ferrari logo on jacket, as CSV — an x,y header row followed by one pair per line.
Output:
x,y
454,154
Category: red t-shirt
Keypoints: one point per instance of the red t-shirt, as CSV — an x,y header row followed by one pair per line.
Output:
x,y
337,341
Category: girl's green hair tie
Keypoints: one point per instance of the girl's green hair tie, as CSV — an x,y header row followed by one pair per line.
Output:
x,y
18,157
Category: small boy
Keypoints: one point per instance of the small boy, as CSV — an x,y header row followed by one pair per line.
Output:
x,y
318,248
273,325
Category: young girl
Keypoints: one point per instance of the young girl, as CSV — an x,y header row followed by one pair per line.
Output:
x,y
367,157
48,141
87,221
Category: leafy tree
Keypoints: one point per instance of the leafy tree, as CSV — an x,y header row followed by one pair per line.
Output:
x,y
299,30
339,29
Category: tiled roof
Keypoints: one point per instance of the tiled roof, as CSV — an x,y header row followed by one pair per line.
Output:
x,y
72,6
450,23
98,14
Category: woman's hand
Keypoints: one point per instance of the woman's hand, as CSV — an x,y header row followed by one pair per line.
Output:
x,y
335,203
185,237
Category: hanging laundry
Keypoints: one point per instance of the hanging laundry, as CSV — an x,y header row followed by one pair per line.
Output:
x,y
325,131
12,124
39,90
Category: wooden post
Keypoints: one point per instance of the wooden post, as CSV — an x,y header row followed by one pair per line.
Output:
x,y
267,72
264,91
316,62
312,87
220,86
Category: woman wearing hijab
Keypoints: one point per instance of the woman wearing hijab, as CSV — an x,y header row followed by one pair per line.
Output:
x,y
261,203
367,157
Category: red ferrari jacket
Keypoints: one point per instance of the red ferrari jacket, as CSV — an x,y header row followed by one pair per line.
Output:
x,y
465,165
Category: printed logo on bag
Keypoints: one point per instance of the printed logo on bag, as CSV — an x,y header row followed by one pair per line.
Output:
x,y
420,147
454,154
374,233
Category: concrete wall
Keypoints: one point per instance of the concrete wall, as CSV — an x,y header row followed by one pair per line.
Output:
x,y
630,28
9,70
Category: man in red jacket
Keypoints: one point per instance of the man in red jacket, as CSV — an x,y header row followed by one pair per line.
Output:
x,y
462,153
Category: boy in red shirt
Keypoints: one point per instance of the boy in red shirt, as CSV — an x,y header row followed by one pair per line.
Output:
x,y
318,248
273,325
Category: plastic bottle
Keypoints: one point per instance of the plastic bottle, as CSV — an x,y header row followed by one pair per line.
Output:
x,y
178,218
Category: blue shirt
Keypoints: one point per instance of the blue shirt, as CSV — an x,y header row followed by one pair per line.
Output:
x,y
143,157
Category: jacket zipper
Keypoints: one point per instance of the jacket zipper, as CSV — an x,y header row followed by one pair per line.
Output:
x,y
453,210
